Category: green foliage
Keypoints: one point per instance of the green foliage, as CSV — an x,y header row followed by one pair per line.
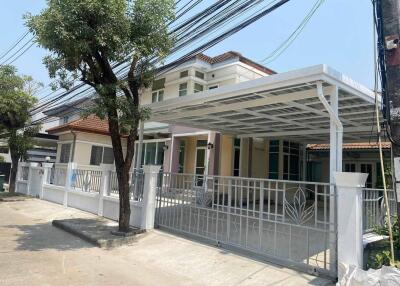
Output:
x,y
379,259
384,230
86,36
77,32
15,103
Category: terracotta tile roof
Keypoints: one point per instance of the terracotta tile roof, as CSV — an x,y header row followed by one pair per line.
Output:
x,y
230,55
351,146
92,124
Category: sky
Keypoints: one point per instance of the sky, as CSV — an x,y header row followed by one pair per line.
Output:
x,y
340,34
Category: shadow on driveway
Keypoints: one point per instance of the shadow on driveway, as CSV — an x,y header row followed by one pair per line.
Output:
x,y
44,236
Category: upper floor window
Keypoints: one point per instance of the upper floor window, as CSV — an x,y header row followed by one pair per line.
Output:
x,y
184,74
213,87
198,87
183,89
157,96
65,119
100,154
65,153
158,84
199,74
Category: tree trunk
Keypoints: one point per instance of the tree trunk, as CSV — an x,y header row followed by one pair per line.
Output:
x,y
124,205
13,176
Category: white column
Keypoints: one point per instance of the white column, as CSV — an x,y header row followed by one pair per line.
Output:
x,y
208,153
29,181
46,177
149,196
104,185
68,181
140,146
350,231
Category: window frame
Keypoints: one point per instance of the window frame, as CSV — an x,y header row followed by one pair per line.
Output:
x,y
180,90
103,148
159,93
62,159
199,74
196,90
184,74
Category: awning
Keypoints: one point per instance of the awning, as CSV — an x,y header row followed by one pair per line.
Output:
x,y
276,106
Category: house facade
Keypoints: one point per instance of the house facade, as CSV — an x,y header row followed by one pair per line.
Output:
x,y
192,150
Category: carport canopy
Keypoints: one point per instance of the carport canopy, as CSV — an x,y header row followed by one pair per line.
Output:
x,y
280,105
313,105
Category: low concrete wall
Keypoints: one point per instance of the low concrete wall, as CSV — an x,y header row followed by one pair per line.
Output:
x,y
53,193
84,201
22,187
90,202
111,210
96,202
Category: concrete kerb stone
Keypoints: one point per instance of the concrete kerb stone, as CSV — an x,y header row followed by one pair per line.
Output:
x,y
97,231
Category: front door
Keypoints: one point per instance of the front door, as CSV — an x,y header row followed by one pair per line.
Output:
x,y
200,165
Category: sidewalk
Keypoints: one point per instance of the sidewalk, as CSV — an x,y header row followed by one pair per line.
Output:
x,y
33,252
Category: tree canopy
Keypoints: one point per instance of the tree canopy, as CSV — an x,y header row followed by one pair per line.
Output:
x,y
15,102
111,45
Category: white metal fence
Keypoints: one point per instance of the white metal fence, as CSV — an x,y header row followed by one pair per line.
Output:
x,y
136,181
293,222
374,209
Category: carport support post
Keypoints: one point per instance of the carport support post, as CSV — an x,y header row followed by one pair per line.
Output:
x,y
68,181
350,224
335,159
151,173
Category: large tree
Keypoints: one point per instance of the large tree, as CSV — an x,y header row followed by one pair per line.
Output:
x,y
16,99
87,38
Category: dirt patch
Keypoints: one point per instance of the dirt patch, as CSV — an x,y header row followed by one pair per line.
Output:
x,y
8,197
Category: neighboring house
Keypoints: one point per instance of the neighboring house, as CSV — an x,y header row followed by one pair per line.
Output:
x,y
199,151
357,157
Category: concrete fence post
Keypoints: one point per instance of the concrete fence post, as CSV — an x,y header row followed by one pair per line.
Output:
x,y
151,173
45,177
104,185
68,181
349,219
30,173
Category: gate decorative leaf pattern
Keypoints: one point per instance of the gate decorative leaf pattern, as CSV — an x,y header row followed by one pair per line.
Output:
x,y
298,211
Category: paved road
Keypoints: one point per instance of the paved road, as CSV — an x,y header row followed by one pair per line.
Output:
x,y
32,252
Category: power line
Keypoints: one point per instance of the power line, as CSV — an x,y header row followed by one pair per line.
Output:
x,y
287,43
15,53
203,47
14,45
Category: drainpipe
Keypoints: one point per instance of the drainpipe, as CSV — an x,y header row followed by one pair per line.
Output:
x,y
73,146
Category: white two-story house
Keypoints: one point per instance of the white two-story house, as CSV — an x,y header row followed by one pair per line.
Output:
x,y
192,150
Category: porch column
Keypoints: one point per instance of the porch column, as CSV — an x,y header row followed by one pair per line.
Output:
x,y
140,146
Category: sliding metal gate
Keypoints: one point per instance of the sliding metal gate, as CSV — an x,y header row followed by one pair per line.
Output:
x,y
286,222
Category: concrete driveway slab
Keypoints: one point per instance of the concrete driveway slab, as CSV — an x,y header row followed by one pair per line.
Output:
x,y
33,252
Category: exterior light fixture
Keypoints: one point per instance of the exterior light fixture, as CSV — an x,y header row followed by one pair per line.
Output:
x,y
210,145
165,147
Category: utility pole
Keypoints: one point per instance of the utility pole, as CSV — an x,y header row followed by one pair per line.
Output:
x,y
388,24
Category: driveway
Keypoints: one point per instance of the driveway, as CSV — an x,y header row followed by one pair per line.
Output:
x,y
33,252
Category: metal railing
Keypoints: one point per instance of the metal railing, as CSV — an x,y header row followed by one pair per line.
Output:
x,y
86,180
24,173
58,175
374,210
136,182
289,220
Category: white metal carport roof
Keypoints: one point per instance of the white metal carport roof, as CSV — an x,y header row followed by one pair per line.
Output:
x,y
280,105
